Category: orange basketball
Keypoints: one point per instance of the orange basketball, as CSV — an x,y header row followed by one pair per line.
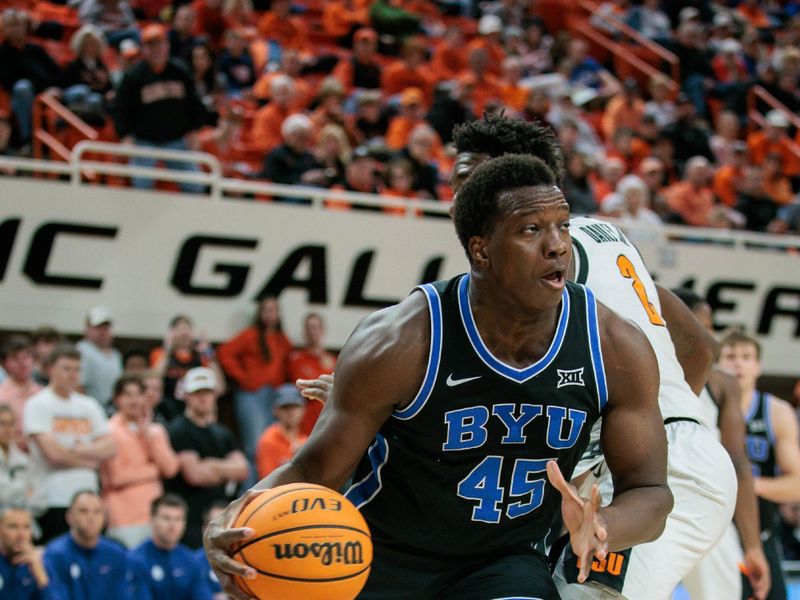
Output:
x,y
310,543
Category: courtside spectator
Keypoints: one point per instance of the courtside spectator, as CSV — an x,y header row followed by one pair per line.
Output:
x,y
412,113
361,175
629,204
26,69
45,340
281,440
163,568
82,564
157,106
180,352
256,360
22,571
728,177
312,360
68,438
132,479
692,199
101,363
211,464
774,139
361,70
114,17
291,161
16,358
18,483
206,571
87,80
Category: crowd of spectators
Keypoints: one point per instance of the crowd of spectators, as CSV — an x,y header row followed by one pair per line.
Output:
x,y
362,95
93,441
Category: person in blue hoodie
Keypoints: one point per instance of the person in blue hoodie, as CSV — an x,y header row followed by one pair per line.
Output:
x,y
82,564
162,567
22,572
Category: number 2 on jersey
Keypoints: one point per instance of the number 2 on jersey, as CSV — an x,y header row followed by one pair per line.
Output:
x,y
628,271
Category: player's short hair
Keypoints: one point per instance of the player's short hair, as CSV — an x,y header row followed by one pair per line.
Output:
x,y
62,351
734,337
126,379
85,492
14,507
476,208
171,500
689,297
497,135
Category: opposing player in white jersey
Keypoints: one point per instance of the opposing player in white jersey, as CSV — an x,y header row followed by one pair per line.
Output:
x,y
718,573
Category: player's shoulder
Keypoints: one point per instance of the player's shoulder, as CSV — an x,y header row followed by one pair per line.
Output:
x,y
781,409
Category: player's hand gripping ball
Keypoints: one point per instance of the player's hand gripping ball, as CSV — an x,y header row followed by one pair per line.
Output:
x,y
309,543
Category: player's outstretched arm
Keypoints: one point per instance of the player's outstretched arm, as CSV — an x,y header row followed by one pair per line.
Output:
x,y
726,393
379,369
632,437
786,486
694,346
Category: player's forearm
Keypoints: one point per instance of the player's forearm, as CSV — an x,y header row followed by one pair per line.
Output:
x,y
285,474
637,516
781,490
745,514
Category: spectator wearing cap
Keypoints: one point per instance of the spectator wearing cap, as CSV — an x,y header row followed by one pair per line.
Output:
x,y
279,25
692,199
68,438
26,69
688,132
181,34
101,363
342,18
131,479
490,28
268,120
281,440
512,93
18,362
211,465
361,69
411,70
86,78
157,106
236,64
774,139
19,484
361,175
114,17
727,177
626,109
412,113
649,20
728,64
291,161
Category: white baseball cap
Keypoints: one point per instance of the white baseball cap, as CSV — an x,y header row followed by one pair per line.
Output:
x,y
777,118
490,24
199,378
98,315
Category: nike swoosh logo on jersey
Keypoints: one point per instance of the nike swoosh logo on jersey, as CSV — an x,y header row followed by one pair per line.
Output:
x,y
454,382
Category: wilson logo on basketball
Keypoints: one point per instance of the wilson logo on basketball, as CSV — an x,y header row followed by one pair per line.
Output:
x,y
304,504
328,553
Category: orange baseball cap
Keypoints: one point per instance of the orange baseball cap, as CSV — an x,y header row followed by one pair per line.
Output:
x,y
411,95
153,32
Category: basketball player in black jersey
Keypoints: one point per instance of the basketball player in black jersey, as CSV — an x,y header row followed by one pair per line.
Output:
x,y
772,446
462,396
720,565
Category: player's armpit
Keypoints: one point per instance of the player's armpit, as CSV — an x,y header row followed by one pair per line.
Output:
x,y
379,369
633,437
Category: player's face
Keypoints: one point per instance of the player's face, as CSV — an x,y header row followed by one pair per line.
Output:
x,y
169,523
86,517
741,360
529,249
464,166
15,531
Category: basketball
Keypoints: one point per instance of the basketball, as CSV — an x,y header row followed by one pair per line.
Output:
x,y
310,543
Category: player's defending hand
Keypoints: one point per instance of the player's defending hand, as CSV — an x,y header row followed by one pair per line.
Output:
x,y
587,529
756,568
318,389
220,540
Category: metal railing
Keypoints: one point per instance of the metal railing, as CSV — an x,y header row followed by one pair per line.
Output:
x,y
46,110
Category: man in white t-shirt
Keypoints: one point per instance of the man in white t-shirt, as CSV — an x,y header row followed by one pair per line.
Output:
x,y
101,363
68,437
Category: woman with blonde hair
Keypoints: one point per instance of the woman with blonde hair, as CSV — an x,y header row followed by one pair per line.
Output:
x,y
87,81
333,153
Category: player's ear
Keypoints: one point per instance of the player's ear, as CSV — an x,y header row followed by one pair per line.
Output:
x,y
478,250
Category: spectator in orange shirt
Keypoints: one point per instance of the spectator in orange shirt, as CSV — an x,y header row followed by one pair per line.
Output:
x,y
449,58
267,122
773,139
281,440
309,362
511,92
692,199
777,186
291,65
19,385
277,24
239,14
755,15
330,110
409,71
341,18
362,69
626,146
412,113
210,21
480,85
131,479
728,176
255,358
611,170
623,110
490,28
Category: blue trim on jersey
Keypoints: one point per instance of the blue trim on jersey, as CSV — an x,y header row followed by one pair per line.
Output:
x,y
495,364
754,402
364,491
594,348
434,355
765,398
